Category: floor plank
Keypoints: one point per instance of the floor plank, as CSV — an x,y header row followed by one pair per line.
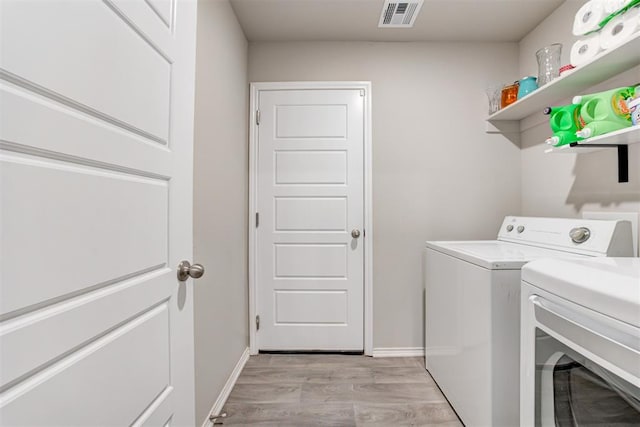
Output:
x,y
389,414
336,390
288,414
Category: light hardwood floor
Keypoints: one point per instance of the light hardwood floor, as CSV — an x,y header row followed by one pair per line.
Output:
x,y
336,390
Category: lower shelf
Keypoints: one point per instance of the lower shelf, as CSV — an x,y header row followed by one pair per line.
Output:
x,y
625,136
619,140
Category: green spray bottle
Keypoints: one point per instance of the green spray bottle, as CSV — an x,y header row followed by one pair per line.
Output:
x,y
565,122
607,106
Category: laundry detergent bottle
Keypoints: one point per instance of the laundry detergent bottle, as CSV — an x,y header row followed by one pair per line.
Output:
x,y
564,122
609,106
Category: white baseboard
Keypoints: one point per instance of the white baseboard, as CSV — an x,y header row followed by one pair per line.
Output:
x,y
228,386
398,352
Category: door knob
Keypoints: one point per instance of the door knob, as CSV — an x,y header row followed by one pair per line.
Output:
x,y
186,270
355,233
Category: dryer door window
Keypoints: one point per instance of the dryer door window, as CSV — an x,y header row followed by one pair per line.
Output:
x,y
572,390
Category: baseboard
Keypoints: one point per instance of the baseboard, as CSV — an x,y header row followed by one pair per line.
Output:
x,y
228,386
398,352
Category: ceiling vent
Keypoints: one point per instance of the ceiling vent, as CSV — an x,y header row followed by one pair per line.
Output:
x,y
399,14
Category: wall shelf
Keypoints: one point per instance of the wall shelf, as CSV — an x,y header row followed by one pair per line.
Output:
x,y
619,140
625,136
605,65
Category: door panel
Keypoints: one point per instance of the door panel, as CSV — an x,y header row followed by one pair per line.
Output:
x,y
311,121
311,260
76,321
70,61
310,196
87,215
310,307
67,388
311,213
311,167
96,140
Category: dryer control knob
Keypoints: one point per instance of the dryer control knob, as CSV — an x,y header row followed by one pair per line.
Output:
x,y
509,227
520,228
580,234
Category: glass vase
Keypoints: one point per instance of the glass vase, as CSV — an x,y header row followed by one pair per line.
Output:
x,y
548,63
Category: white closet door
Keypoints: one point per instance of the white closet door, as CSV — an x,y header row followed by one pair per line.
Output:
x,y
310,199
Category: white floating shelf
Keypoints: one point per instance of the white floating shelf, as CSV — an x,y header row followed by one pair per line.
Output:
x,y
626,136
605,65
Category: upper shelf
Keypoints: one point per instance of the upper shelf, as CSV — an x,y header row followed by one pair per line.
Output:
x,y
605,65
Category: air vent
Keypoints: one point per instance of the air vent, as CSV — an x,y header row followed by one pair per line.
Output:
x,y
398,14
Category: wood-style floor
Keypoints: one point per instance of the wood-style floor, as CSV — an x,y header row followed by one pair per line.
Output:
x,y
336,390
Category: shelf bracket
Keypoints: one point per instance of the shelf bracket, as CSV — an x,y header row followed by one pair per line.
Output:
x,y
623,157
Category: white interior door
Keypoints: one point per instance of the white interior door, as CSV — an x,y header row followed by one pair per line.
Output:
x,y
96,102
310,198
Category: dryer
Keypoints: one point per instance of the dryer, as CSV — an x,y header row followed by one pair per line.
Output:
x,y
580,342
472,303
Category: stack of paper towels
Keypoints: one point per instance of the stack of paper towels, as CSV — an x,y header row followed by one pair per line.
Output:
x,y
615,32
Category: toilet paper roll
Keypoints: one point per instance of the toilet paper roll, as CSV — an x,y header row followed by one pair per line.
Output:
x,y
619,29
588,17
612,6
634,16
585,49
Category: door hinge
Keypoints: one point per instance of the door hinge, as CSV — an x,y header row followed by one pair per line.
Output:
x,y
257,219
361,92
258,322
258,117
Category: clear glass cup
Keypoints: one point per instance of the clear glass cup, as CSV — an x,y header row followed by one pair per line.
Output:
x,y
548,63
494,92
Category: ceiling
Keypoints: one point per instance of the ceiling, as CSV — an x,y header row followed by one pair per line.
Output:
x,y
357,20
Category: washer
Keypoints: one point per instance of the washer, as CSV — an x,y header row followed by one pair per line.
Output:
x,y
580,342
472,300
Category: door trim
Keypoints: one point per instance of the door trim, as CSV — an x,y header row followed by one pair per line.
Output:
x,y
364,86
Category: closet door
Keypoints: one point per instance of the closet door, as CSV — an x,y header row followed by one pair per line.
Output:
x,y
310,278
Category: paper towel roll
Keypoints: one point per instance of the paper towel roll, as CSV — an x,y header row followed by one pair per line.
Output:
x,y
588,17
583,50
619,29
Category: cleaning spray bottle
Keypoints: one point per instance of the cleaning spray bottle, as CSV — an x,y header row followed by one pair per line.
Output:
x,y
565,122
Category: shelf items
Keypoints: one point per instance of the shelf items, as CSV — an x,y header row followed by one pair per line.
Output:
x,y
602,67
606,65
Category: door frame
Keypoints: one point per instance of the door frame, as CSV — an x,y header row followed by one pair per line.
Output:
x,y
256,88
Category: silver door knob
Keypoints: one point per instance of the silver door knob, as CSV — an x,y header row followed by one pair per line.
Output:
x,y
355,233
186,270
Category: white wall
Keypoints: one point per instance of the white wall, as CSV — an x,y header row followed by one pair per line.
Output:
x,y
220,200
436,173
567,185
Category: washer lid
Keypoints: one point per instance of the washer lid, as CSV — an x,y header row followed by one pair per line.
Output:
x,y
610,286
495,254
